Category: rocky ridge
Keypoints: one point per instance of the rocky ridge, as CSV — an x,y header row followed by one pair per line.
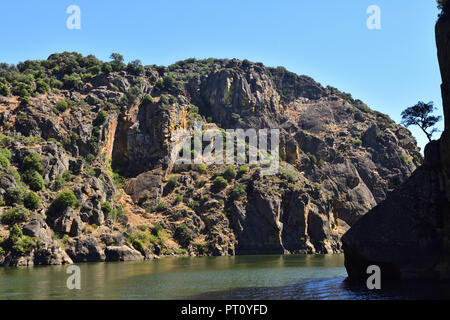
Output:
x,y
92,141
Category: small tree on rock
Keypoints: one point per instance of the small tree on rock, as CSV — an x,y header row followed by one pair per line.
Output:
x,y
421,116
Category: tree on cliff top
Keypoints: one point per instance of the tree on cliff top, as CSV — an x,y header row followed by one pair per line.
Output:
x,y
421,116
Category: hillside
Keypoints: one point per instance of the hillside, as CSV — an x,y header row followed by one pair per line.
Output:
x,y
87,174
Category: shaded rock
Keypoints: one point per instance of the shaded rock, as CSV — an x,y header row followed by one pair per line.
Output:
x,y
407,235
86,249
122,253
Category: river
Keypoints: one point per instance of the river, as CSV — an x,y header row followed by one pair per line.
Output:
x,y
239,277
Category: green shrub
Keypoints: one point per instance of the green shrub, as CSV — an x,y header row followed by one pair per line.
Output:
x,y
194,205
173,99
4,90
73,81
32,162
25,101
135,67
61,106
163,99
220,183
290,176
117,212
161,206
183,235
15,195
159,84
169,81
246,63
15,215
21,89
101,118
194,110
357,142
243,170
229,173
404,158
42,86
34,180
90,158
4,162
178,198
23,245
172,182
117,63
64,200
15,174
201,168
238,190
15,233
148,99
56,84
59,182
157,228
6,153
32,201
106,207
5,141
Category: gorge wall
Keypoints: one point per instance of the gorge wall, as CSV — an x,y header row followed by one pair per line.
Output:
x,y
87,173
407,235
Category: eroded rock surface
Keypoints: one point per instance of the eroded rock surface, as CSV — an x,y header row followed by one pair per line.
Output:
x,y
108,137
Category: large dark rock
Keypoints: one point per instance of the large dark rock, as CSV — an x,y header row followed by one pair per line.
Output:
x,y
122,253
86,249
407,235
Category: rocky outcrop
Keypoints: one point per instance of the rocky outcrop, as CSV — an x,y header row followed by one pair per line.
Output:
x,y
407,235
110,140
86,249
122,253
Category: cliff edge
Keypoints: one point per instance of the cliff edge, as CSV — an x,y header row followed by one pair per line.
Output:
x,y
407,235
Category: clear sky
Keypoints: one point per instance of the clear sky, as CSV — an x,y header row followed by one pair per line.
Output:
x,y
389,69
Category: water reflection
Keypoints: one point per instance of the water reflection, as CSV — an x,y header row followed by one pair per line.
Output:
x,y
240,277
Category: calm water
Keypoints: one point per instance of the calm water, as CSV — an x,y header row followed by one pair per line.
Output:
x,y
242,277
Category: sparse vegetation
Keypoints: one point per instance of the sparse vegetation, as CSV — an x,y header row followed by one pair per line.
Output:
x,y
161,206
15,215
32,201
34,180
229,173
238,190
201,168
243,170
32,162
220,182
287,175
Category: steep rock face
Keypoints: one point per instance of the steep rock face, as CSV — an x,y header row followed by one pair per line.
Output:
x,y
443,46
112,144
407,235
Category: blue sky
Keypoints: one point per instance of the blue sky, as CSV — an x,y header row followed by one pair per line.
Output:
x,y
389,69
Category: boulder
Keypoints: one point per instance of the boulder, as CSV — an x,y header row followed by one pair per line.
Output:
x,y
122,253
86,249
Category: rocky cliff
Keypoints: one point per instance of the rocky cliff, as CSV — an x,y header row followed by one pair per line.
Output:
x,y
407,235
87,173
